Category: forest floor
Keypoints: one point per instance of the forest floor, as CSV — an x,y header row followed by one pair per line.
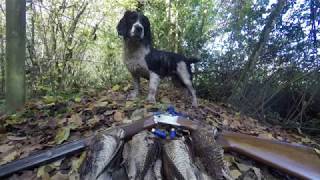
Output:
x,y
50,121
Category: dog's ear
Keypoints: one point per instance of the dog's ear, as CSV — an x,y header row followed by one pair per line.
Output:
x,y
147,29
122,25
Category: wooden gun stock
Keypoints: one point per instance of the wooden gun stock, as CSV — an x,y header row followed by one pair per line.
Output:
x,y
296,160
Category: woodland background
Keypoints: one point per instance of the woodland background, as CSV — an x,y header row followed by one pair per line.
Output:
x,y
260,56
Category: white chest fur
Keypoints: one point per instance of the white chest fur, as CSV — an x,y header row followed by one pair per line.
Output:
x,y
134,58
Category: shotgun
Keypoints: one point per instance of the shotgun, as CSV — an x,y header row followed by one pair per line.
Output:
x,y
296,160
299,161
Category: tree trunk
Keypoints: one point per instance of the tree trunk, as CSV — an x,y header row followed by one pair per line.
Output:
x,y
253,58
2,61
30,46
15,54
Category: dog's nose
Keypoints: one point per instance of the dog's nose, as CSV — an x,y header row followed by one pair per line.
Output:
x,y
138,29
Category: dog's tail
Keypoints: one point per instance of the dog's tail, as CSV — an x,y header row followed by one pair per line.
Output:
x,y
192,60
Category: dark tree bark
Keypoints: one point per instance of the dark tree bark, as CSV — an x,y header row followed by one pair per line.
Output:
x,y
15,54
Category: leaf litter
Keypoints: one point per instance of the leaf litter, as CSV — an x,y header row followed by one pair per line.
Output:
x,y
52,121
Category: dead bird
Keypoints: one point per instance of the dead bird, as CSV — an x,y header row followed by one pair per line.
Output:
x,y
140,154
102,151
210,153
177,161
157,169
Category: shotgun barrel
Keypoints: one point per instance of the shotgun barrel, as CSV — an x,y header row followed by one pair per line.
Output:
x,y
297,160
46,156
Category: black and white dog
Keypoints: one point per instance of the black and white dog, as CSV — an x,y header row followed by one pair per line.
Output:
x,y
142,60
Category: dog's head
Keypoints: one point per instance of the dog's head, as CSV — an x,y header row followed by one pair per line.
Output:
x,y
134,25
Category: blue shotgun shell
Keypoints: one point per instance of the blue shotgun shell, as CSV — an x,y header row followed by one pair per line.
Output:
x,y
173,133
159,133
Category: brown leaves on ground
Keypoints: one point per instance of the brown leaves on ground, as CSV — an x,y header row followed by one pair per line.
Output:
x,y
52,121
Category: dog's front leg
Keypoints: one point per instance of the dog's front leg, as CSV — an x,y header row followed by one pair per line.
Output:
x,y
154,81
136,87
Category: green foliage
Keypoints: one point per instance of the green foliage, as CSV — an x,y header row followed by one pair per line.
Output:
x,y
70,53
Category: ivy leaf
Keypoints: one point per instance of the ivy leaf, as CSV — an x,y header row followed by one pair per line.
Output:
x,y
62,135
115,88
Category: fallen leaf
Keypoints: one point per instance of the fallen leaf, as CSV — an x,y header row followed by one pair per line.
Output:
x,y
5,148
129,104
212,122
266,135
49,99
108,113
9,157
101,104
115,88
62,122
52,123
127,87
57,163
60,176
118,116
100,107
62,135
235,124
43,173
73,176
29,149
75,121
93,120
235,173
229,160
243,167
77,99
14,120
257,171
76,163
138,114
126,121
165,100
16,138
306,140
27,175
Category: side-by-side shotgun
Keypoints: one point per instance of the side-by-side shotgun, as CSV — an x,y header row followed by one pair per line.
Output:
x,y
296,160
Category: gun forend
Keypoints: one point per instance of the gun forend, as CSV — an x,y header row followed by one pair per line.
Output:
x,y
296,160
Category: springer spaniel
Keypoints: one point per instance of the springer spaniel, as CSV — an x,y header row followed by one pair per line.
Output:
x,y
142,60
